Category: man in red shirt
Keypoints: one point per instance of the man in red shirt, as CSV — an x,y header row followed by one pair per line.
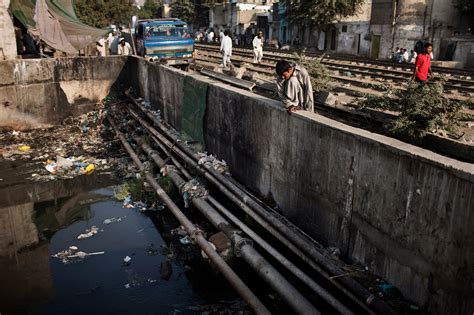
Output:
x,y
423,65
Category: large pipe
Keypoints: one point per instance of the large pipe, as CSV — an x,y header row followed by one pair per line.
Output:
x,y
247,204
243,245
262,243
253,215
196,234
282,259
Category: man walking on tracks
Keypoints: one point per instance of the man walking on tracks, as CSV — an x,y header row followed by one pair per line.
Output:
x,y
423,65
294,86
258,48
226,49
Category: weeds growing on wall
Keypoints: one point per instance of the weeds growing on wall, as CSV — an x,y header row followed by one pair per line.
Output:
x,y
319,74
421,108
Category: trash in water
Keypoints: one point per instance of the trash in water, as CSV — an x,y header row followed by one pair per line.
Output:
x,y
24,148
185,240
90,168
73,254
113,220
140,206
127,202
193,189
51,167
149,280
127,260
63,162
179,231
127,286
89,232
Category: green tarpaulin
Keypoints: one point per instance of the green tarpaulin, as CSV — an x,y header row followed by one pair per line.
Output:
x,y
194,108
55,23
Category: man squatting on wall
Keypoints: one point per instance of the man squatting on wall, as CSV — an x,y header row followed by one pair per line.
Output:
x,y
294,86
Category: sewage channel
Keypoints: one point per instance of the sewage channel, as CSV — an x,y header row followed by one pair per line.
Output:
x,y
83,232
127,278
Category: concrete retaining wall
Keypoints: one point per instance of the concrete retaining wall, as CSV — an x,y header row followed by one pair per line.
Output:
x,y
34,92
404,212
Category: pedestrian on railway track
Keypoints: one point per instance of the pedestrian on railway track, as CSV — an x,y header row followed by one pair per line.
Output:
x,y
294,86
226,49
258,48
423,70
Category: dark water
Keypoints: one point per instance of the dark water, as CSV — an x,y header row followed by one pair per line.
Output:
x,y
33,282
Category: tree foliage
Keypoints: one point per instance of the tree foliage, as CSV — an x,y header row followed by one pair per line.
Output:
x,y
421,109
101,13
318,73
321,13
183,10
149,10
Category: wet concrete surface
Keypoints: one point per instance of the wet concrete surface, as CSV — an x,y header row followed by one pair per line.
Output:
x,y
34,282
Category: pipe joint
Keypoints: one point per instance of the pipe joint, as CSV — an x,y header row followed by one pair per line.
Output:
x,y
240,244
196,233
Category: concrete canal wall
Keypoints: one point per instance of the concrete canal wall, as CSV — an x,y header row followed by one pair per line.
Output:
x,y
404,212
35,92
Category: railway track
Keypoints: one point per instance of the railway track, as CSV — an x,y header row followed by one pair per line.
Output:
x,y
369,119
358,73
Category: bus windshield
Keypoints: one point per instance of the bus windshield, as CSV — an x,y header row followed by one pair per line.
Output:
x,y
166,31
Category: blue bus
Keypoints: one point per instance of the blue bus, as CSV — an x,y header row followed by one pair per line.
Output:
x,y
166,40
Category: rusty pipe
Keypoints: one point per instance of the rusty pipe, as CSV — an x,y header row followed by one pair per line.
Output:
x,y
241,288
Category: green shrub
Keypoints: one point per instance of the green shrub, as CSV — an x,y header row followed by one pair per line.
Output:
x,y
421,108
320,77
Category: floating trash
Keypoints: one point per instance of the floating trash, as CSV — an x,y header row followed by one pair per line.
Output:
x,y
89,233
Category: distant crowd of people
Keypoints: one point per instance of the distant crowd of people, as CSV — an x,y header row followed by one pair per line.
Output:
x,y
401,55
116,44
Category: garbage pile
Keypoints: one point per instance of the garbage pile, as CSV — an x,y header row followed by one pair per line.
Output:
x,y
73,254
77,147
210,161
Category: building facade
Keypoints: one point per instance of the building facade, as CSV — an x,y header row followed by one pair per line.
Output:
x,y
402,23
243,17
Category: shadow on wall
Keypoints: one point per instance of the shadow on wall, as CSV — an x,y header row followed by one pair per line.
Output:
x,y
39,93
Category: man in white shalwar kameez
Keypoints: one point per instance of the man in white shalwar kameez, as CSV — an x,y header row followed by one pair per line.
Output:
x,y
294,86
258,48
226,49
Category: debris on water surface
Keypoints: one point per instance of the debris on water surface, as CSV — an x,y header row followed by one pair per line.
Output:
x,y
127,261
72,254
89,233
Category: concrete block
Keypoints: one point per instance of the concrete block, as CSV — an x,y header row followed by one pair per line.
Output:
x,y
221,241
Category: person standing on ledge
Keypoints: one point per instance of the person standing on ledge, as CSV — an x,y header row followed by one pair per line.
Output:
x,y
423,65
294,86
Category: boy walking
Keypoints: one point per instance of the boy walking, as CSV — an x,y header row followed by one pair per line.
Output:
x,y
423,65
